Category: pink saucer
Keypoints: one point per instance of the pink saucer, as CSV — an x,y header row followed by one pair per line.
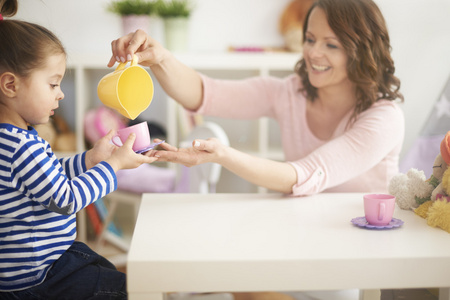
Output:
x,y
362,222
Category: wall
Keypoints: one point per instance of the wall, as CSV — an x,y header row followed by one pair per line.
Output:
x,y
420,36
85,26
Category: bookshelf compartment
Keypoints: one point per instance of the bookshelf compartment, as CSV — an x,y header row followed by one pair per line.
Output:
x,y
256,137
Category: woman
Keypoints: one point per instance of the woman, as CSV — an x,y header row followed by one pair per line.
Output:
x,y
341,130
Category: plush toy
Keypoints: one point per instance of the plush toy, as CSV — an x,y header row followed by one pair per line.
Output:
x,y
413,189
437,210
438,214
58,134
291,23
428,198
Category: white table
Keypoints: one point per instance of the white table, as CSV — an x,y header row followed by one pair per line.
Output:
x,y
269,242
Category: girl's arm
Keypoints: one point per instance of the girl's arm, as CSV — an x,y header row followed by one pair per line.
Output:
x,y
80,163
41,178
74,165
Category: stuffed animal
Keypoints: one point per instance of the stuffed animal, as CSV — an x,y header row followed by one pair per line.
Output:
x,y
430,198
413,189
58,134
291,23
437,210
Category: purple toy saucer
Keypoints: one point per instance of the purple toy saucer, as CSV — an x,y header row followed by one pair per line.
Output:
x,y
149,147
362,222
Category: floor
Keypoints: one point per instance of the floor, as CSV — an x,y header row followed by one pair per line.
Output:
x,y
410,294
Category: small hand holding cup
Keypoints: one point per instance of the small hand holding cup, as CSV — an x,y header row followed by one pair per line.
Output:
x,y
124,157
142,133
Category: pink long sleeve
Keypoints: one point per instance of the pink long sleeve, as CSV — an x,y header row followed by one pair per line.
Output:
x,y
359,158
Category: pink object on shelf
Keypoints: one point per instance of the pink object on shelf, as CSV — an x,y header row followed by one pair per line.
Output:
x,y
146,179
248,49
98,122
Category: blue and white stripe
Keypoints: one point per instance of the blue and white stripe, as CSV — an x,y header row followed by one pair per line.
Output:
x,y
39,196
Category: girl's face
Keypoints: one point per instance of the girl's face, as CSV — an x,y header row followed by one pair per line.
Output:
x,y
39,94
326,60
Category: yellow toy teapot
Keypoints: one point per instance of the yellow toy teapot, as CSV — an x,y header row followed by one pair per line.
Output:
x,y
127,90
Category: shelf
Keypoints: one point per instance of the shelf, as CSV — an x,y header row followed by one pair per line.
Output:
x,y
241,61
277,61
256,137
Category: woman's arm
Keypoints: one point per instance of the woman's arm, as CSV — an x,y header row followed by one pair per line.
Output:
x,y
366,155
276,176
180,82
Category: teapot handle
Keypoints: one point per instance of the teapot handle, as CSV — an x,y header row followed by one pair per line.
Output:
x,y
122,65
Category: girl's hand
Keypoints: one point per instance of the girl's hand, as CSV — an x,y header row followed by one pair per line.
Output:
x,y
101,150
148,50
124,157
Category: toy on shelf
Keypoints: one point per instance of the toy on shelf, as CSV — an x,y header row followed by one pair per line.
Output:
x,y
428,198
58,134
99,121
291,23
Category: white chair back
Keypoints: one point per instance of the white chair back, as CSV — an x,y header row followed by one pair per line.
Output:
x,y
203,178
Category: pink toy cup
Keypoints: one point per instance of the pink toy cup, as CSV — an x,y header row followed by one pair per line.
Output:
x,y
142,140
379,208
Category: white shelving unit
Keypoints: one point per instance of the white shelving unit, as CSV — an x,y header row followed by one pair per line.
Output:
x,y
237,66
258,137
86,70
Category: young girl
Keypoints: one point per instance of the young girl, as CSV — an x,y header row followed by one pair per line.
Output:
x,y
340,127
39,194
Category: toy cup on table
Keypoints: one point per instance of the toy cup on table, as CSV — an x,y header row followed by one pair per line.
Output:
x,y
379,208
127,90
142,141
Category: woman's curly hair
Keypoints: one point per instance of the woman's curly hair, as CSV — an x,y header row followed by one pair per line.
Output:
x,y
361,29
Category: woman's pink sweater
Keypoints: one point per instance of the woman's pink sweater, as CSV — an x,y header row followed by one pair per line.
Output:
x,y
360,158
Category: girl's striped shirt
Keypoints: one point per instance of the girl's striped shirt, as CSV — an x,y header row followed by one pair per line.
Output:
x,y
39,197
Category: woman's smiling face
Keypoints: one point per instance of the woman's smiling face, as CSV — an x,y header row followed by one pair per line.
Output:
x,y
326,59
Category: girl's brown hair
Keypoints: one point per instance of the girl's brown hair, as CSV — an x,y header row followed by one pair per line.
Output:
x,y
361,29
24,46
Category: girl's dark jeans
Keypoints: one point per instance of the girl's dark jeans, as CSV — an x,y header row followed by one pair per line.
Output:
x,y
78,274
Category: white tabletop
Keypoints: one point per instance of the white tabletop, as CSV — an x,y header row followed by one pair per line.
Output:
x,y
269,242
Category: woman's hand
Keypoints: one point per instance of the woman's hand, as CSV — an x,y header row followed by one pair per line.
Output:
x,y
202,151
277,176
180,82
148,50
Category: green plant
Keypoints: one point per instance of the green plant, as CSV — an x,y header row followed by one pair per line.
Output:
x,y
173,8
133,7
